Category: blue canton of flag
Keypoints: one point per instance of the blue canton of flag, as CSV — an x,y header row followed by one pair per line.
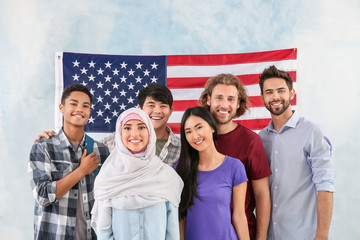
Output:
x,y
114,82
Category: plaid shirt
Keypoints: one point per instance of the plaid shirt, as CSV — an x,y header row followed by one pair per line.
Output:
x,y
169,154
51,160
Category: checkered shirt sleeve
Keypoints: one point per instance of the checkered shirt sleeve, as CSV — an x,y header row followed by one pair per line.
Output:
x,y
51,160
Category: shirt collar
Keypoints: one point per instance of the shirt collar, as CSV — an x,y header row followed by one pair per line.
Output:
x,y
65,141
172,137
291,123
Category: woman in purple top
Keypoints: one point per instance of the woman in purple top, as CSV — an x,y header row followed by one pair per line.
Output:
x,y
211,182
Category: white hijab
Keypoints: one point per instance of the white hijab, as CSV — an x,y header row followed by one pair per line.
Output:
x,y
132,181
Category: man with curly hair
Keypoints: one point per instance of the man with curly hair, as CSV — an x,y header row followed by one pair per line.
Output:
x,y
226,98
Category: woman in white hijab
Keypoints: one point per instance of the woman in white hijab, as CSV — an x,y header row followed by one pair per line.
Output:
x,y
136,194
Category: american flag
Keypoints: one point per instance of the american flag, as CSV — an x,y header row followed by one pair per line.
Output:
x,y
115,81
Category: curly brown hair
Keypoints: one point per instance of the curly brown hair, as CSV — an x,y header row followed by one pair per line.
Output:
x,y
226,79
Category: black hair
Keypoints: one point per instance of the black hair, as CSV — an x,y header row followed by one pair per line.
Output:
x,y
76,87
157,92
187,166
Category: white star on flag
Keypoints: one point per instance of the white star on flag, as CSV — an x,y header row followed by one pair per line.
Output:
x,y
115,72
130,100
99,98
123,79
123,65
146,73
131,72
107,92
108,65
107,120
115,85
99,112
76,77
100,84
91,78
115,99
83,70
91,64
107,78
138,65
153,79
154,66
100,71
76,63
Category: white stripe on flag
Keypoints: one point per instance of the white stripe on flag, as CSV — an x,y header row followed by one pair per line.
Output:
x,y
236,69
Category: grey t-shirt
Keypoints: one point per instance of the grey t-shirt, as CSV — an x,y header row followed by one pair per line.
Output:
x,y
80,226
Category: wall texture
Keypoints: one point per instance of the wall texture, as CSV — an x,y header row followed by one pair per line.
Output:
x,y
325,32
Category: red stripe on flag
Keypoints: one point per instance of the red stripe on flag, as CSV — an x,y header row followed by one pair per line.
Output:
x,y
256,101
226,59
253,79
184,104
253,124
194,82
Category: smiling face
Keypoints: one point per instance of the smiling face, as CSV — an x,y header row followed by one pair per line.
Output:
x,y
277,96
223,103
198,133
158,112
135,135
76,109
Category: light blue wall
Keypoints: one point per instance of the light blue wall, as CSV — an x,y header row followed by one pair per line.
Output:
x,y
326,33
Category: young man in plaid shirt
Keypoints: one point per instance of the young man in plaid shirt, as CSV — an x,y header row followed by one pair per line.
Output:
x,y
62,174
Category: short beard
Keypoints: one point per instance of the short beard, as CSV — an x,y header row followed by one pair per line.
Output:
x,y
281,111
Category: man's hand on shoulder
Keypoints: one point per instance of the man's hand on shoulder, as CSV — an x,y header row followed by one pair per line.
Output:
x,y
45,134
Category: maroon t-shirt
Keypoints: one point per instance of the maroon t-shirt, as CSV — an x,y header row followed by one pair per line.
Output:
x,y
246,145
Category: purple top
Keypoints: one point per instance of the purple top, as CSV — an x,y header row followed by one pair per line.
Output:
x,y
210,217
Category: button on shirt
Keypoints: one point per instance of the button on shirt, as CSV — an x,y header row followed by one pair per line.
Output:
x,y
300,160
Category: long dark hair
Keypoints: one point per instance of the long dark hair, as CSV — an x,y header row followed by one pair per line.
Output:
x,y
187,166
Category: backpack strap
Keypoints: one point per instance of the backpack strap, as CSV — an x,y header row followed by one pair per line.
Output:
x,y
89,149
89,144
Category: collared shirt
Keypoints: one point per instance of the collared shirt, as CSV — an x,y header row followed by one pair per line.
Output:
x,y
300,160
159,221
169,154
51,160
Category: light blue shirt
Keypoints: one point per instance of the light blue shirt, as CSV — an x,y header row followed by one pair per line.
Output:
x,y
157,222
300,160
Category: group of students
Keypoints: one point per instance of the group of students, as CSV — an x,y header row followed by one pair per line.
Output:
x,y
143,182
